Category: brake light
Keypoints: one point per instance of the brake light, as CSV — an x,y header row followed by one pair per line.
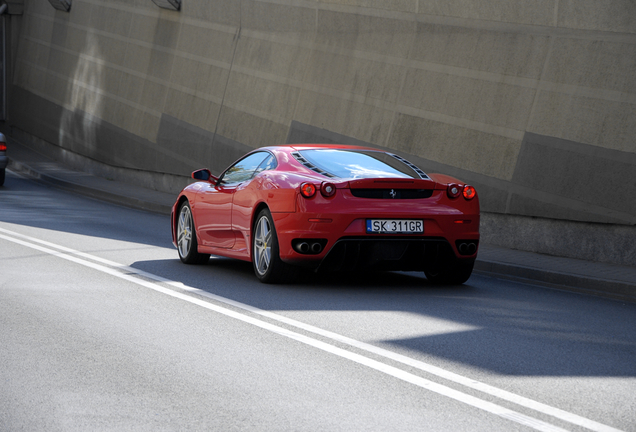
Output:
x,y
3,146
328,189
307,190
469,192
453,190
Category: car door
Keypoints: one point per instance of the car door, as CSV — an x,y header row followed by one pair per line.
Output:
x,y
247,195
214,202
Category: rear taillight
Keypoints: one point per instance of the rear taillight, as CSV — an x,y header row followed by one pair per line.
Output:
x,y
328,189
3,146
453,190
307,190
469,192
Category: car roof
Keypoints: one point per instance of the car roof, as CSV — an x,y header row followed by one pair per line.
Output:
x,y
309,146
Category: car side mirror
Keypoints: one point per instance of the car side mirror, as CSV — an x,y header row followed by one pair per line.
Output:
x,y
204,175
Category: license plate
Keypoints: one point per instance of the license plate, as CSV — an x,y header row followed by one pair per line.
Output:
x,y
394,226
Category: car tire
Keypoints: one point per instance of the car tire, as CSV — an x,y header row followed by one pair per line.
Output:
x,y
455,272
187,237
2,175
268,266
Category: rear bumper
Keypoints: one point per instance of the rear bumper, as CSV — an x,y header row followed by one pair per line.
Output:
x,y
4,161
347,245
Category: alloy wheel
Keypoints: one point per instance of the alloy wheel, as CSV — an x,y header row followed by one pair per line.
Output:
x,y
184,231
263,245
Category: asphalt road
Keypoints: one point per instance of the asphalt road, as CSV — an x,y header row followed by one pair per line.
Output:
x,y
103,328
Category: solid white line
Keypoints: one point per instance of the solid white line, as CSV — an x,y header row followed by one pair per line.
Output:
x,y
382,367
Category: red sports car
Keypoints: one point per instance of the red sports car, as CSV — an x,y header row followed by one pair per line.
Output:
x,y
329,207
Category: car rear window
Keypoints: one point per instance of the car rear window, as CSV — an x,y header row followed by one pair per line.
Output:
x,y
357,164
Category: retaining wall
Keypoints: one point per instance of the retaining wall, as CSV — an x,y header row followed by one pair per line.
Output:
x,y
532,101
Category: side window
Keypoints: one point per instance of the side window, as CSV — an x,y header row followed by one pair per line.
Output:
x,y
244,169
268,164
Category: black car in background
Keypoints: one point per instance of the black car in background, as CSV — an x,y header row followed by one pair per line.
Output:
x,y
3,157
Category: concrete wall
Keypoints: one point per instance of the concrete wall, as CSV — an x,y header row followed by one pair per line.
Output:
x,y
532,101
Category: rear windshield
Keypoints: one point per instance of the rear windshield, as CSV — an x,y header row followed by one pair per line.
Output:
x,y
358,164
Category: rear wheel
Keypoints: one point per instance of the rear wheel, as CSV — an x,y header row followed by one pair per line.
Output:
x,y
268,266
2,174
187,237
454,272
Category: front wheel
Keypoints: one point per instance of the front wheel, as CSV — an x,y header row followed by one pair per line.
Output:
x,y
454,272
268,266
187,237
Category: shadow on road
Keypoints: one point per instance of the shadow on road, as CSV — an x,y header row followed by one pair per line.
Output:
x,y
515,329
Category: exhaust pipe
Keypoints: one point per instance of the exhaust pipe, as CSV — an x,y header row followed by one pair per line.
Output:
x,y
302,247
463,248
467,248
316,248
309,246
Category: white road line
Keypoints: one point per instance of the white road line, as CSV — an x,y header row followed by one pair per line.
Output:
x,y
131,274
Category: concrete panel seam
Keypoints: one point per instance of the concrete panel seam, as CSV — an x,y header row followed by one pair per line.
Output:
x,y
508,200
349,9
538,30
590,92
203,60
577,147
133,41
395,117
153,12
390,106
191,92
536,93
401,61
461,122
130,41
173,154
565,202
227,81
221,28
148,11
473,74
309,46
97,90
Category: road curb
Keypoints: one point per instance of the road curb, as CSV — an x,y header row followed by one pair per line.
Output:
x,y
92,192
616,290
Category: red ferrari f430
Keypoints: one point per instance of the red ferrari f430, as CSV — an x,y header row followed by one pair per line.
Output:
x,y
329,208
